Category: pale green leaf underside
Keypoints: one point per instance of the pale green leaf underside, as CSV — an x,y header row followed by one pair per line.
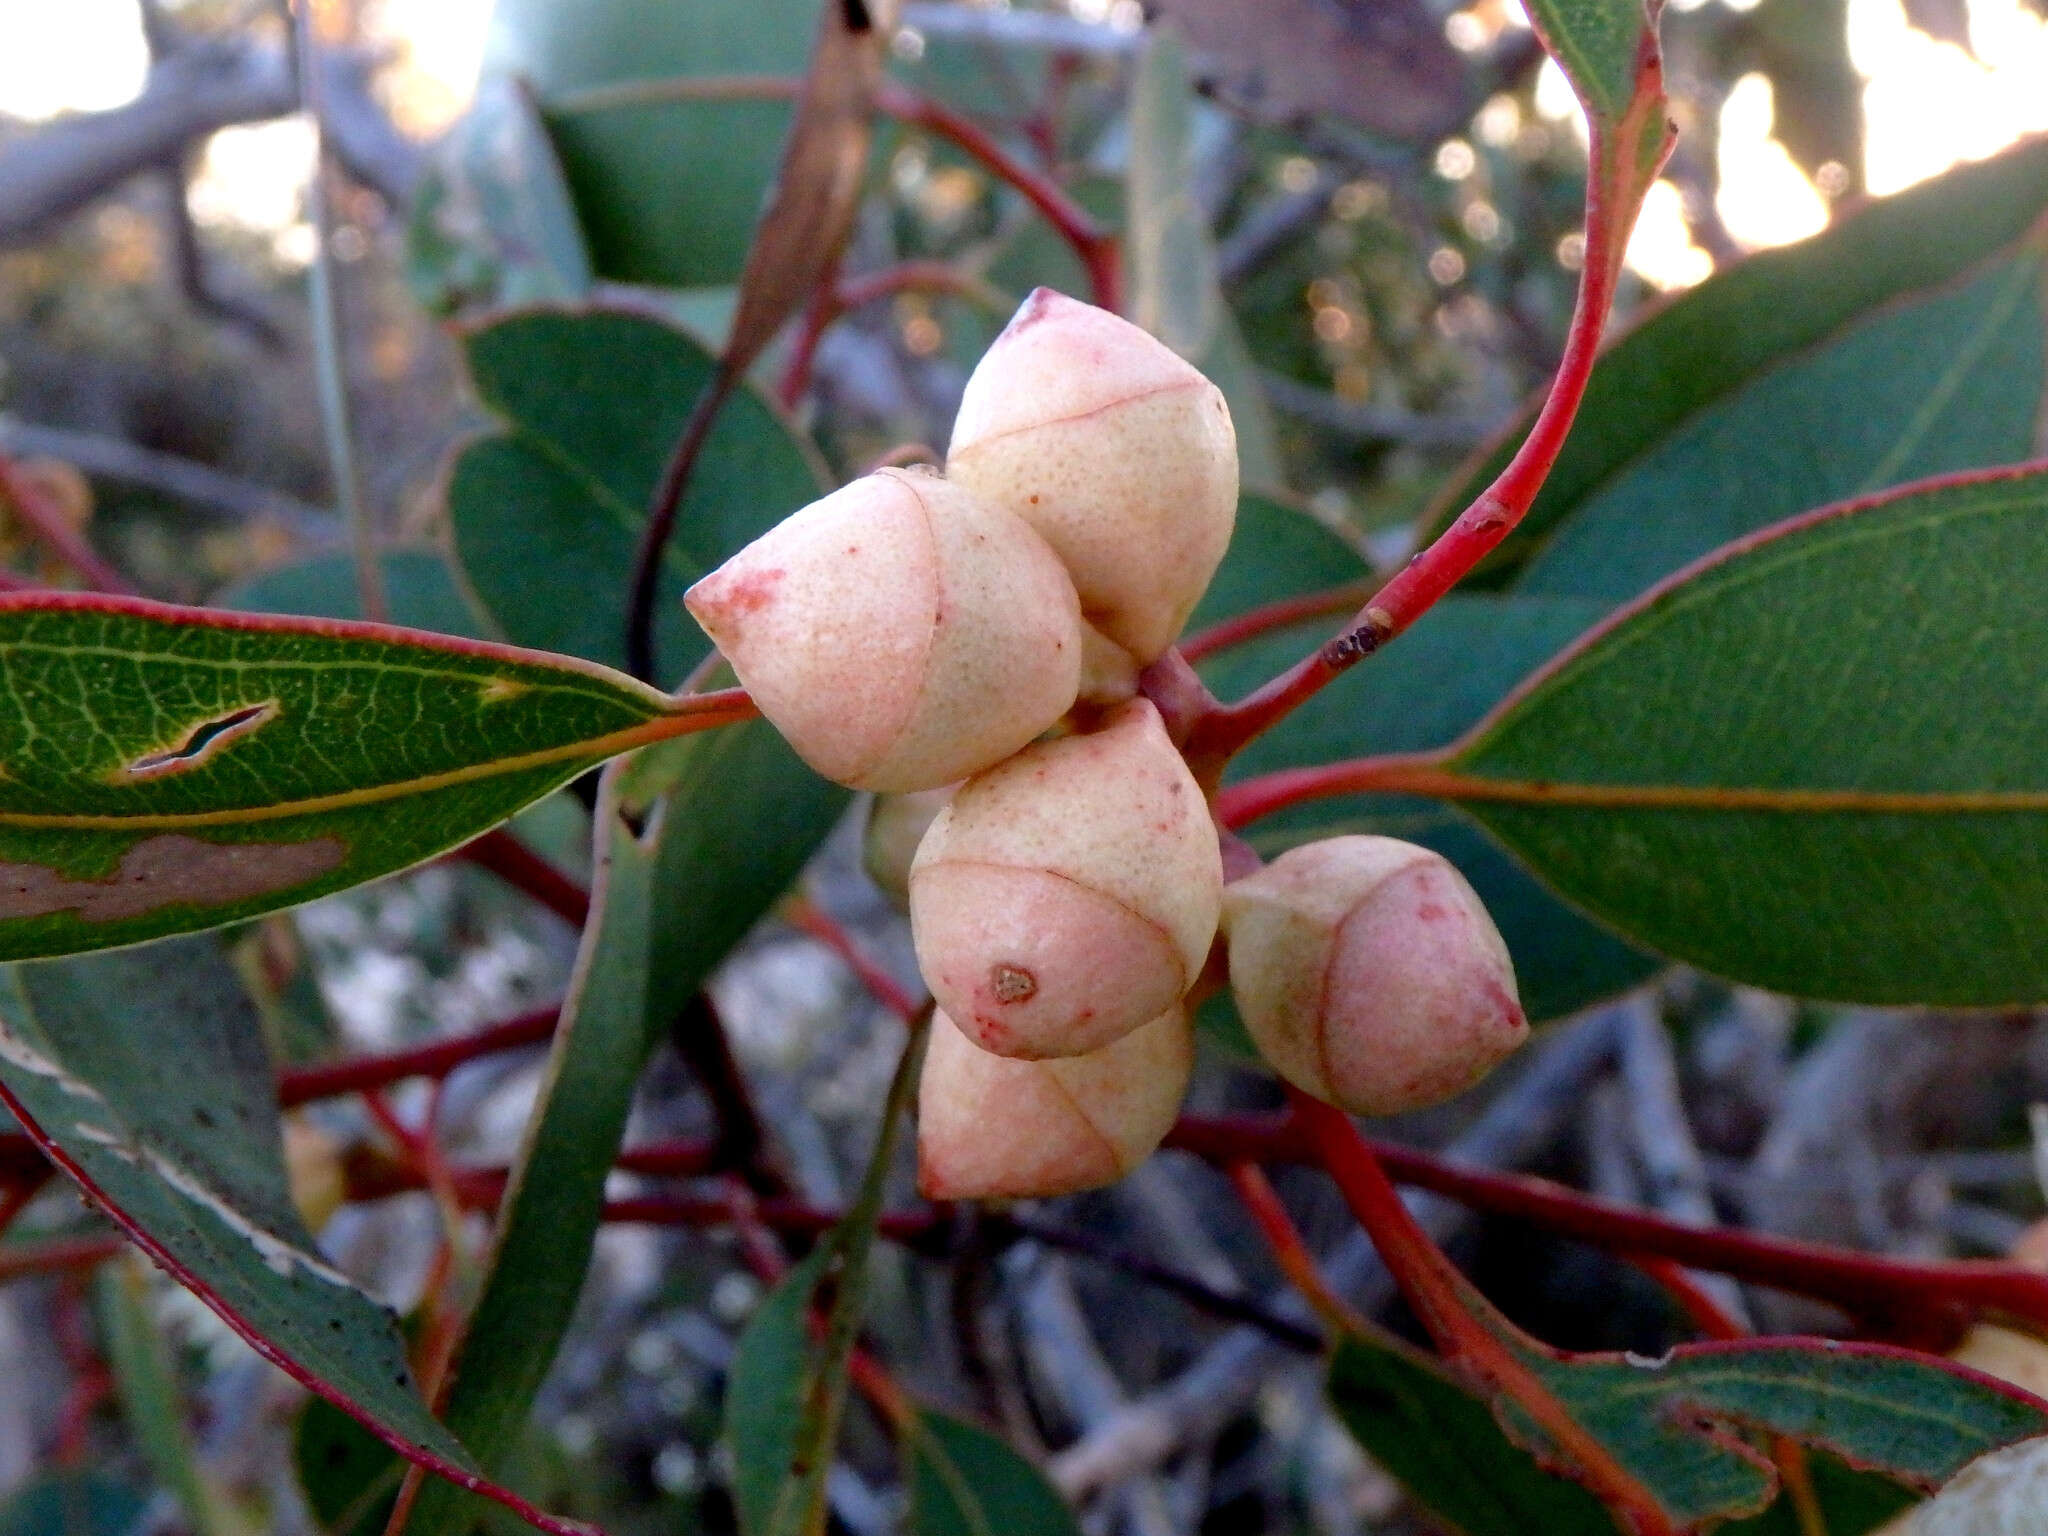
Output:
x,y
146,1073
1816,764
163,770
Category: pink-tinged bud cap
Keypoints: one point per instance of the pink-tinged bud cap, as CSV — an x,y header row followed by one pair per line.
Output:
x,y
1369,974
901,633
1116,450
993,1128
1068,895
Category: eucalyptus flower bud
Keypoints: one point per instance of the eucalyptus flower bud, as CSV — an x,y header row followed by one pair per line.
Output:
x,y
901,633
1115,449
1068,895
896,825
1369,974
991,1127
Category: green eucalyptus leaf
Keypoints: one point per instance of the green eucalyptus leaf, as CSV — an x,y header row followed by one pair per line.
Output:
x,y
1599,44
419,591
668,191
547,509
548,1219
765,1391
965,1481
1800,346
166,769
143,1075
1902,1422
493,223
1277,551
1175,289
1812,763
1952,380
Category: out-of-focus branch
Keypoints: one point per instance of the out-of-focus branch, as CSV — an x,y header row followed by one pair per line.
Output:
x,y
186,479
197,89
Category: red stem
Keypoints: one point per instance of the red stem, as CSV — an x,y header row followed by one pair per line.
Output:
x,y
1916,1295
1613,193
302,1085
826,929
1290,1250
1452,1312
1096,247
1255,622
47,522
1239,805
832,300
524,870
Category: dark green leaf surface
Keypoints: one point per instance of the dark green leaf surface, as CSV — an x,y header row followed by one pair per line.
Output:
x,y
151,1403
165,769
350,1478
1950,381
144,1073
1598,43
1419,694
1876,1408
730,817
419,590
493,223
547,1222
72,1504
965,1481
1277,551
764,1393
669,192
1910,1416
547,511
1815,764
1777,313
1444,1446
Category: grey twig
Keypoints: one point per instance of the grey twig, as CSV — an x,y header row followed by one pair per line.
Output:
x,y
1674,1174
1521,1122
1064,1354
187,480
1044,30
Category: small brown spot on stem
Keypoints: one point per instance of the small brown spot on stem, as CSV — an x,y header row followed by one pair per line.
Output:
x,y
1012,984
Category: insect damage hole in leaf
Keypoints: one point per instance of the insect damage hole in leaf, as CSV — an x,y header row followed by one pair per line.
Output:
x,y
201,744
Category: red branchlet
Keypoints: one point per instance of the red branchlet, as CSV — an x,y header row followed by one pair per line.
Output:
x,y
524,870
1612,196
35,510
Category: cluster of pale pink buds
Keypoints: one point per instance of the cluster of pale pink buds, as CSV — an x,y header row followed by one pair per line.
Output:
x,y
929,637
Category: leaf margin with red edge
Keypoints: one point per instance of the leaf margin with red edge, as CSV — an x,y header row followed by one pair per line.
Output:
x,y
131,1142
100,675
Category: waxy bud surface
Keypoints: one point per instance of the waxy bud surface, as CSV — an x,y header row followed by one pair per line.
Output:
x,y
901,633
1068,895
1369,974
994,1128
1116,450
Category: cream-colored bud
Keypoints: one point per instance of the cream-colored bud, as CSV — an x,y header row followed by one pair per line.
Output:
x,y
1370,975
896,825
901,633
1068,895
1116,450
991,1127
